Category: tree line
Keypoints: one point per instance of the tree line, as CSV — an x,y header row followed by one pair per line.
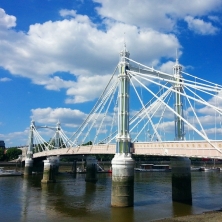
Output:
x,y
10,154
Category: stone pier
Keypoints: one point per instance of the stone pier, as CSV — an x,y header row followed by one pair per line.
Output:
x,y
28,166
49,172
122,180
74,167
91,169
181,180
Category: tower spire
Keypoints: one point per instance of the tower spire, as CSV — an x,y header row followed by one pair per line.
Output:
x,y
179,124
177,68
177,55
124,54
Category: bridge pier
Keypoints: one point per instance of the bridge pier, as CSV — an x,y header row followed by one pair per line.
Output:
x,y
28,166
91,169
55,160
50,170
181,180
29,154
74,167
122,180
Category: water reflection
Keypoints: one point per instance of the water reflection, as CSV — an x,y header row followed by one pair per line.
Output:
x,y
122,214
180,209
89,196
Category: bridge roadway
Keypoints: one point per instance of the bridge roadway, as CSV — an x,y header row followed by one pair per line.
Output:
x,y
198,149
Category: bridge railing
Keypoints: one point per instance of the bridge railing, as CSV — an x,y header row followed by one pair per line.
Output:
x,y
198,149
91,149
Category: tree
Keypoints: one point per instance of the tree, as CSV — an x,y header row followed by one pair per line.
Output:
x,y
2,154
104,157
87,144
13,153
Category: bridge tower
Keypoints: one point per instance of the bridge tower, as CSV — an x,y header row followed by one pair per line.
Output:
x,y
181,173
29,153
57,136
122,163
179,124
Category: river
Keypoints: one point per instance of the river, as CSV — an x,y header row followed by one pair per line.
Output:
x,y
72,199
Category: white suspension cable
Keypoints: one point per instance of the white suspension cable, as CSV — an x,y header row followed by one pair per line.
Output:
x,y
100,106
157,108
156,104
197,131
104,115
195,115
148,116
200,101
162,113
96,105
200,78
136,116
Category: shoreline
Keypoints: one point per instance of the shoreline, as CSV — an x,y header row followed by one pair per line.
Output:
x,y
208,216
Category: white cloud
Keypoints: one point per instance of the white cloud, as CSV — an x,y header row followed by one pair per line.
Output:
x,y
158,14
214,18
77,47
65,12
21,138
167,67
167,127
5,79
216,101
215,132
6,21
68,117
55,83
87,88
200,27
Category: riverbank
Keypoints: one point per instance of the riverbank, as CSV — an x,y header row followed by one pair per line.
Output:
x,y
211,216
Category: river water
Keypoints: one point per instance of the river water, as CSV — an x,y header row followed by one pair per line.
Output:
x,y
72,199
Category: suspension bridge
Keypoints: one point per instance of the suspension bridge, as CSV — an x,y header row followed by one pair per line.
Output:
x,y
141,111
179,114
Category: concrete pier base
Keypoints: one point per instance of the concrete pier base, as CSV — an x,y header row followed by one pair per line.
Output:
x,y
28,167
181,180
55,160
91,169
49,171
122,180
74,168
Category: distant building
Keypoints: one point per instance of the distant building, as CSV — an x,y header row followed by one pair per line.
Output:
x,y
2,144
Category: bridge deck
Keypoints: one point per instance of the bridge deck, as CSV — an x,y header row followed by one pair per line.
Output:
x,y
199,149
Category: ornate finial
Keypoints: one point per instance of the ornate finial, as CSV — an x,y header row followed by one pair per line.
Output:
x,y
124,52
58,125
124,42
177,67
176,55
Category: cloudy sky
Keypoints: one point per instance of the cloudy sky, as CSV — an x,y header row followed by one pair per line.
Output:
x,y
54,52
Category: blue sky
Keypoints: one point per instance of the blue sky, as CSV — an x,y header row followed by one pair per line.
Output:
x,y
54,52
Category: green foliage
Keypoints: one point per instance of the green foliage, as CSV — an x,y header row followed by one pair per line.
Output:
x,y
60,143
104,157
1,154
150,158
88,143
39,147
13,153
